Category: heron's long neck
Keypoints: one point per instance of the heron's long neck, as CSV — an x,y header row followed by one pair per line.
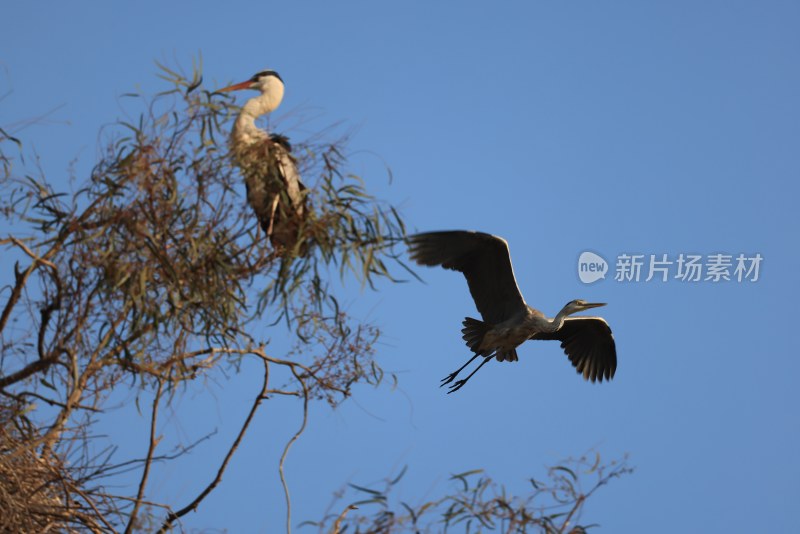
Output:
x,y
245,131
557,322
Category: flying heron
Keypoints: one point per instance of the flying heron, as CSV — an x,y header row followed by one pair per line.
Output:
x,y
274,189
507,320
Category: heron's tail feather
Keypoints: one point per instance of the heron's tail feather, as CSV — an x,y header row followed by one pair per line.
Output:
x,y
474,332
509,356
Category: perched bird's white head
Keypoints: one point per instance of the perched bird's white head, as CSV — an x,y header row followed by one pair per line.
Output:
x,y
578,305
268,83
264,81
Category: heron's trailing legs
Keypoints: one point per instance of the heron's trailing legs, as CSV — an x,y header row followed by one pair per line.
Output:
x,y
449,378
460,383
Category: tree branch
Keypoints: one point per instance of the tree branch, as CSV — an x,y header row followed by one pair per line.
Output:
x,y
30,369
148,461
288,446
20,279
262,394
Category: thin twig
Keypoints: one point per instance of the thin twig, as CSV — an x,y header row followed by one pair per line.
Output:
x,y
22,278
19,398
133,464
29,370
149,460
90,502
575,508
174,516
337,526
288,446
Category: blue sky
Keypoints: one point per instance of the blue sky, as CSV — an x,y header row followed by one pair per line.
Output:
x,y
615,127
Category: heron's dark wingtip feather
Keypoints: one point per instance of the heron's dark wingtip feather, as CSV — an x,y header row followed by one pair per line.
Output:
x,y
482,258
589,345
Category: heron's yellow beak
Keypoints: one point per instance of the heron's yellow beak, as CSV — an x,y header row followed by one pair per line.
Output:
x,y
593,305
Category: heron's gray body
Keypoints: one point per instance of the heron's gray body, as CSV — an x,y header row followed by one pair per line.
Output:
x,y
503,338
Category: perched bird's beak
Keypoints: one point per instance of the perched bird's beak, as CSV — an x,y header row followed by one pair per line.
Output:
x,y
593,305
236,87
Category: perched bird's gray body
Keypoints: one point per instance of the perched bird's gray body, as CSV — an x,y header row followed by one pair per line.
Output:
x,y
508,321
274,189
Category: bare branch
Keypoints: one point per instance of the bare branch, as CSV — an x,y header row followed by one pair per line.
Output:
x,y
262,394
29,370
285,453
21,278
148,459
337,526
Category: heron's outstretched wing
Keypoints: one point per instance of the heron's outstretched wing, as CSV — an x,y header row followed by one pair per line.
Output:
x,y
484,259
589,344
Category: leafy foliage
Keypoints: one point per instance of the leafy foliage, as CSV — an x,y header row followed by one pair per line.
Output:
x,y
155,270
479,504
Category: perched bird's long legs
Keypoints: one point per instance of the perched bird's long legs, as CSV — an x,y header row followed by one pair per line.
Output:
x,y
460,383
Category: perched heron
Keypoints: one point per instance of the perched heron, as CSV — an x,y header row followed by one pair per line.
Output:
x,y
274,189
507,320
